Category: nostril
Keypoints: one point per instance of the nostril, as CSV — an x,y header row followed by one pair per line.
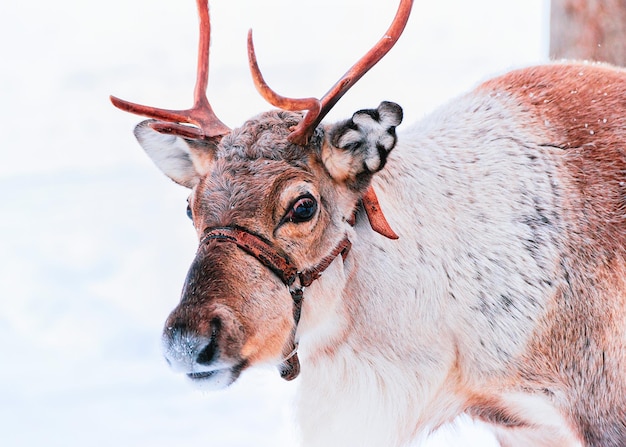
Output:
x,y
208,353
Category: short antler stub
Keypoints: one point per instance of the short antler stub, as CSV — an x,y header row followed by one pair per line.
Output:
x,y
375,215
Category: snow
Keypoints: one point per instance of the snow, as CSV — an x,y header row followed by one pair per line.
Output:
x,y
94,240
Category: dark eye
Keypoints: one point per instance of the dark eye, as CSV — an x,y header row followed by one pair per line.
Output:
x,y
302,210
189,214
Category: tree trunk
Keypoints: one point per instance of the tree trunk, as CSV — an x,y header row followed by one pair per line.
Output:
x,y
588,30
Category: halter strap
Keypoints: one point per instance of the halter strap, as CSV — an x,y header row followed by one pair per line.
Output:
x,y
256,246
279,263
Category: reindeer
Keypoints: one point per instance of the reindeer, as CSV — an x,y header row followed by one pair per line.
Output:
x,y
496,288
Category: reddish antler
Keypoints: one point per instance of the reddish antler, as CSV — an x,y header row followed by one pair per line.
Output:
x,y
318,109
201,114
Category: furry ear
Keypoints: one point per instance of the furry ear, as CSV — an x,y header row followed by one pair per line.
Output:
x,y
182,160
355,149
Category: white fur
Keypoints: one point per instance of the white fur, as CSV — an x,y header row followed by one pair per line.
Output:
x,y
548,428
456,196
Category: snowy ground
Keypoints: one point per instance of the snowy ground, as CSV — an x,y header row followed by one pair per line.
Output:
x,y
94,240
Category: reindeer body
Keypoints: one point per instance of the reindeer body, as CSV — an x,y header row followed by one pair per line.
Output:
x,y
505,296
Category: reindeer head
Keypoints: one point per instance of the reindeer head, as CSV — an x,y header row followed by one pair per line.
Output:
x,y
272,203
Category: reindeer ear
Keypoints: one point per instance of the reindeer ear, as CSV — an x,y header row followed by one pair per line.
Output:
x,y
355,149
182,160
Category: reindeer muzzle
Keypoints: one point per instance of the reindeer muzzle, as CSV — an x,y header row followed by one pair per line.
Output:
x,y
283,267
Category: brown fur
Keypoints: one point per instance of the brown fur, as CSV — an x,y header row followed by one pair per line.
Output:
x,y
255,175
579,109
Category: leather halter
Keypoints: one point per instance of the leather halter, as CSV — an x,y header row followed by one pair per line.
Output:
x,y
285,269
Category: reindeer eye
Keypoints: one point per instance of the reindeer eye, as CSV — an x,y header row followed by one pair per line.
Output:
x,y
189,213
302,210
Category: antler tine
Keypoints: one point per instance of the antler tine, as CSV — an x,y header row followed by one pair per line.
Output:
x,y
371,58
318,109
201,114
312,105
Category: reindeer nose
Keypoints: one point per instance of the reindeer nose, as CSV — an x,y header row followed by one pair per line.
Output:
x,y
186,348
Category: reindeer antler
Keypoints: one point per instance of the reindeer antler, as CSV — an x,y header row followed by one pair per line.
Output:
x,y
318,109
201,114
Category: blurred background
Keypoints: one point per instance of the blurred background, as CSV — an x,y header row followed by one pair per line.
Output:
x,y
94,240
